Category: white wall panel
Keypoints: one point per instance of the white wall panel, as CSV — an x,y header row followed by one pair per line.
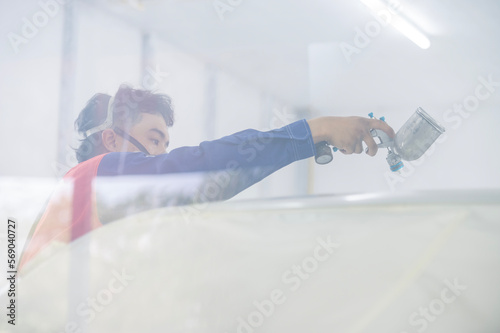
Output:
x,y
29,90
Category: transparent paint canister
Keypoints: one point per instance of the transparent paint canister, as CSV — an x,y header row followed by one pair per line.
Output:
x,y
417,135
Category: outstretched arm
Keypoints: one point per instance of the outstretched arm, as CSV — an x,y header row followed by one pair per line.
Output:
x,y
250,148
246,149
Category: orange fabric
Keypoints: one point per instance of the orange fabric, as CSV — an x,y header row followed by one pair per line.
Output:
x,y
69,214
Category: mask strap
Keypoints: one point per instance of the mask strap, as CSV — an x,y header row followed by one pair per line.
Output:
x,y
107,123
131,140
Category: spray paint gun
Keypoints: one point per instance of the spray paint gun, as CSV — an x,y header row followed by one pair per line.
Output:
x,y
411,141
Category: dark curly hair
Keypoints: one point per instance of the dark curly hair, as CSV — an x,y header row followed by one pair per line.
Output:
x,y
129,103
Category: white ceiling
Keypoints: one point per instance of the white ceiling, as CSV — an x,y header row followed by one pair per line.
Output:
x,y
266,43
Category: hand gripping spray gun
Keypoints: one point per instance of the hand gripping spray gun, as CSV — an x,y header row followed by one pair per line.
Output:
x,y
411,141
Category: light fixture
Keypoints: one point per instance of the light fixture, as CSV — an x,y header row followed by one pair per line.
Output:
x,y
390,13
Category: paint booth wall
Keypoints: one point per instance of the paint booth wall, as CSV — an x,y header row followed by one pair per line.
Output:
x,y
256,69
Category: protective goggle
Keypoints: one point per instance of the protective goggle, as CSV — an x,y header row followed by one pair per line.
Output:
x,y
108,123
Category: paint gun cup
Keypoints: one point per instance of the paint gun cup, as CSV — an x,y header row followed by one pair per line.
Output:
x,y
417,135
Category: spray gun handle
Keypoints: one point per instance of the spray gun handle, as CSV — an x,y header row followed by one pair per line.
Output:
x,y
393,159
385,140
323,153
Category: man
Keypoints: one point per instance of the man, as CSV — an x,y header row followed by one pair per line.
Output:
x,y
128,135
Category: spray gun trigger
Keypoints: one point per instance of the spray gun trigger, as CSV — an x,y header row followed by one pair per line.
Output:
x,y
385,140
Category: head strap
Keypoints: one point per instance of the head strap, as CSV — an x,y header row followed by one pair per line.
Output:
x,y
107,123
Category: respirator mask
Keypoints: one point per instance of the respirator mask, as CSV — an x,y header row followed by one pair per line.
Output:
x,y
108,123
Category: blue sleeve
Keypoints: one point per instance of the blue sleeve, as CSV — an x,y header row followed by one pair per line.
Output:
x,y
249,148
257,153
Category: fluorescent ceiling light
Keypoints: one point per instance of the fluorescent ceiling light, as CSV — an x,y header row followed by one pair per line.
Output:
x,y
390,14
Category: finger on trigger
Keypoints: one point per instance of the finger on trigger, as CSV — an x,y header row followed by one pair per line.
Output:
x,y
372,145
382,125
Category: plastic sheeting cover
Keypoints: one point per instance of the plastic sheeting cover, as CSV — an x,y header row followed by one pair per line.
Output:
x,y
317,264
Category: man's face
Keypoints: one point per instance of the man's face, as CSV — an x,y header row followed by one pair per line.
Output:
x,y
151,131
